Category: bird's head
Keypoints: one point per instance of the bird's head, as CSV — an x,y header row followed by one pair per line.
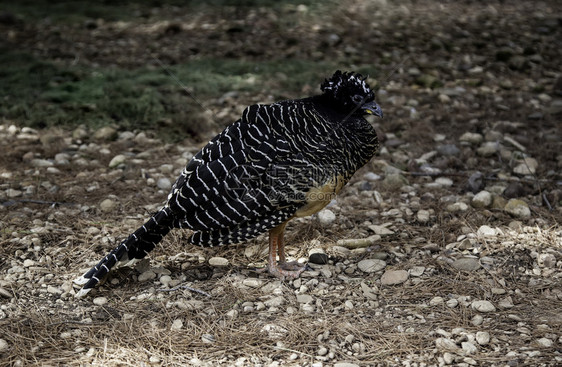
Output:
x,y
351,93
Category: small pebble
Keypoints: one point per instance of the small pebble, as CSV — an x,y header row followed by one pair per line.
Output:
x,y
177,324
473,138
117,160
359,242
371,265
482,337
304,298
477,320
326,217
53,290
448,149
393,277
466,264
506,302
486,231
5,293
457,207
438,300
517,208
469,348
100,301
448,358
164,183
108,205
422,216
417,271
452,303
154,359
106,133
218,261
318,258
252,282
165,280
446,344
207,338
483,306
146,275
3,345
545,342
482,200
527,167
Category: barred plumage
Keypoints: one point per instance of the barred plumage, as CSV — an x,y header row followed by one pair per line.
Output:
x,y
277,162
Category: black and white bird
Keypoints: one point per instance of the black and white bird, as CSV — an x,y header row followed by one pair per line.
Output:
x,y
279,161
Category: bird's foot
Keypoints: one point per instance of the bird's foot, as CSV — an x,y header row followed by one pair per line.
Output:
x,y
285,270
293,266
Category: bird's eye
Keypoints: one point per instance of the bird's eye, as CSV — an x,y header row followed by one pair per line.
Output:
x,y
357,98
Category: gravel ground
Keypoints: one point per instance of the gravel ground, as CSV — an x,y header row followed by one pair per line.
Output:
x,y
446,249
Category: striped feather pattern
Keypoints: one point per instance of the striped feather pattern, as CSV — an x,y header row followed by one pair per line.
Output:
x,y
254,176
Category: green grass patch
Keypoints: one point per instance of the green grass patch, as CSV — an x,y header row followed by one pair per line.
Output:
x,y
43,94
74,11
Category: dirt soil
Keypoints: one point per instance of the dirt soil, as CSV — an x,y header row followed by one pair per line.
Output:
x,y
446,249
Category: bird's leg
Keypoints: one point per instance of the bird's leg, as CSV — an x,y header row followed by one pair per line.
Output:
x,y
283,269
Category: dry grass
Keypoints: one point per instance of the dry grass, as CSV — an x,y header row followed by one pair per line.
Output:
x,y
135,325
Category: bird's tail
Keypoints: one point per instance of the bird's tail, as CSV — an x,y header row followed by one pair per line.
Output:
x,y
131,250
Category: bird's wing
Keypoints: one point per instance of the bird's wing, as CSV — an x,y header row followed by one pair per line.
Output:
x,y
244,175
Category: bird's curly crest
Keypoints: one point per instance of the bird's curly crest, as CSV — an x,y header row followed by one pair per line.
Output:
x,y
345,81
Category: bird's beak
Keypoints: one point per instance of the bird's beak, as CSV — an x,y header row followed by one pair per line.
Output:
x,y
372,108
